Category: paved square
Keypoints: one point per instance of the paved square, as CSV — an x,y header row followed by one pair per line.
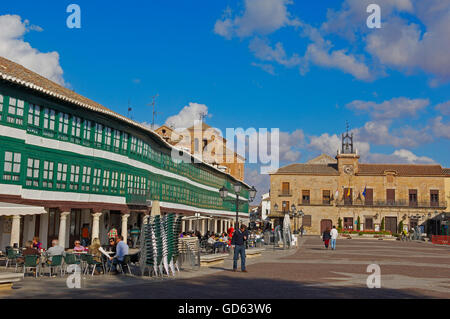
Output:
x,y
408,270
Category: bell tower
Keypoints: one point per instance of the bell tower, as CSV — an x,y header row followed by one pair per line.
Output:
x,y
348,157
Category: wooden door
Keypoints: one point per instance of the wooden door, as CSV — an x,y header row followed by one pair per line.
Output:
x,y
390,196
368,224
391,224
53,225
324,224
368,199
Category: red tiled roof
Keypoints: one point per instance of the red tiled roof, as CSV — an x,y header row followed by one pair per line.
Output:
x,y
446,171
400,169
309,169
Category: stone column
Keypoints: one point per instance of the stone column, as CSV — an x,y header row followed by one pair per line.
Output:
x,y
96,225
215,226
62,229
15,231
125,226
203,226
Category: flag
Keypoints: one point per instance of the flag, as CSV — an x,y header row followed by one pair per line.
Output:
x,y
336,195
348,193
364,193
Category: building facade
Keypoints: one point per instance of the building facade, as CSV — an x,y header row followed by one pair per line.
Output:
x,y
342,191
67,162
206,143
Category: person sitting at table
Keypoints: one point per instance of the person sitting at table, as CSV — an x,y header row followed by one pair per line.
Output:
x,y
55,250
37,244
112,245
96,250
121,252
28,251
78,247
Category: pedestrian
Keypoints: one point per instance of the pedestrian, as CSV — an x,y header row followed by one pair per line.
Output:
x,y
301,231
85,235
326,237
334,235
238,241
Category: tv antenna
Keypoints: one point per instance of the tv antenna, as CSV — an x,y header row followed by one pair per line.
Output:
x,y
153,105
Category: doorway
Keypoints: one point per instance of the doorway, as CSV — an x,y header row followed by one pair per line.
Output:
x,y
348,223
53,225
324,224
391,224
75,226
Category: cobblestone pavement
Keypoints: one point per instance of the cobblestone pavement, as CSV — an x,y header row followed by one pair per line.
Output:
x,y
408,270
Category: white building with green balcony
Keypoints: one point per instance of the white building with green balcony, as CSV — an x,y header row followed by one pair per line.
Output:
x,y
68,162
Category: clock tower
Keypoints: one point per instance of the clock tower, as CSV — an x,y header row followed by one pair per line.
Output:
x,y
348,157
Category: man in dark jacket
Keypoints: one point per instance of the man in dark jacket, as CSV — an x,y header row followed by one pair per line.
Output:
x,y
238,241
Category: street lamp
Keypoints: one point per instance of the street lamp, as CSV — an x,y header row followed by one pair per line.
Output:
x,y
237,189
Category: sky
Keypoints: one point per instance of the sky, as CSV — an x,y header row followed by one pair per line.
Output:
x,y
303,67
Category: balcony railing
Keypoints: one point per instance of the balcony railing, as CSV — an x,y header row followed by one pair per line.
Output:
x,y
138,199
398,203
315,203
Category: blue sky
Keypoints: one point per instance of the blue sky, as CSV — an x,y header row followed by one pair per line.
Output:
x,y
305,67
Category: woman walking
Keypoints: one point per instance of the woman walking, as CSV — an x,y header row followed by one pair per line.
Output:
x,y
326,237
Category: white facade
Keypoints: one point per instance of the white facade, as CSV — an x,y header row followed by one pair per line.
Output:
x,y
265,206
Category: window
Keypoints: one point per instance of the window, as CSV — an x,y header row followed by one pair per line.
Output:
x,y
105,181
326,197
348,223
47,177
305,197
285,188
86,179
96,180
61,176
74,177
76,127
123,184
98,134
34,115
139,147
124,141
434,198
63,126
114,182
15,111
368,224
368,199
116,140
1,106
49,119
107,136
133,144
413,197
390,196
33,172
87,130
307,219
12,166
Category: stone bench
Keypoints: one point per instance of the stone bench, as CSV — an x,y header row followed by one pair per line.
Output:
x,y
8,278
214,259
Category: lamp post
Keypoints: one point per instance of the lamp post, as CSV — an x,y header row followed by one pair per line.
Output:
x,y
237,189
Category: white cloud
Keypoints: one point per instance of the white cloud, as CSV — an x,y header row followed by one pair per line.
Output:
x,y
263,51
394,108
320,53
14,48
441,129
260,181
444,108
401,156
259,17
187,116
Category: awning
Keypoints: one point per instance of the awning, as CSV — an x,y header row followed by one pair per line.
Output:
x,y
195,218
9,209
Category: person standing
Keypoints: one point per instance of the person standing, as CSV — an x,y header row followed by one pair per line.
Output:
x,y
326,237
238,241
334,235
85,235
301,231
112,234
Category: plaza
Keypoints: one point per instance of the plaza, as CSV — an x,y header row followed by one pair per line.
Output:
x,y
408,270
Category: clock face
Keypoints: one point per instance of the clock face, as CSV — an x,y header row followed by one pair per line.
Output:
x,y
348,169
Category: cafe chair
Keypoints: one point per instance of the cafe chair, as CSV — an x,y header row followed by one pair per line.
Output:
x,y
57,261
70,259
11,256
91,262
31,262
126,262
